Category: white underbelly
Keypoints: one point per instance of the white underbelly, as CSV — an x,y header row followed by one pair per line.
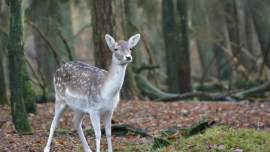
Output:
x,y
83,104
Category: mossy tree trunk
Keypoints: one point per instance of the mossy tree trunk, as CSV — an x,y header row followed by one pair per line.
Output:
x,y
172,54
16,60
113,24
184,67
29,95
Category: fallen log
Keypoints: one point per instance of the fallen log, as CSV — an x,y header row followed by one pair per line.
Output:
x,y
122,130
206,96
155,94
247,93
149,90
144,67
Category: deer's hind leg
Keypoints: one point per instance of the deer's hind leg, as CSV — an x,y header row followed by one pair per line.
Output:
x,y
77,122
60,108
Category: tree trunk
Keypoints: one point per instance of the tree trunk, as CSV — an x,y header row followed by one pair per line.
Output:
x,y
16,60
3,92
184,67
113,24
218,28
262,25
172,54
130,12
249,31
233,27
29,95
3,46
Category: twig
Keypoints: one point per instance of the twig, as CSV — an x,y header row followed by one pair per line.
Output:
x,y
66,44
45,38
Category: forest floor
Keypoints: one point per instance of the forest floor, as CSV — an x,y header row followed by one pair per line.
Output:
x,y
153,116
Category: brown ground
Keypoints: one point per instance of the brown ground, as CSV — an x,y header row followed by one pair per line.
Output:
x,y
153,116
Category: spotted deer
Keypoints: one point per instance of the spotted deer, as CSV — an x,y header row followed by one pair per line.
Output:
x,y
93,91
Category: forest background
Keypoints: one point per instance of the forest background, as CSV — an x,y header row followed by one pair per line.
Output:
x,y
196,50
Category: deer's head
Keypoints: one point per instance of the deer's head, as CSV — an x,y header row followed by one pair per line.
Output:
x,y
122,49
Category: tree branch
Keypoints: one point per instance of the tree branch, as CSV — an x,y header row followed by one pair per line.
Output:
x,y
45,38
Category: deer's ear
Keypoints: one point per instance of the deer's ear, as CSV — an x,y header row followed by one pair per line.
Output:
x,y
134,40
110,41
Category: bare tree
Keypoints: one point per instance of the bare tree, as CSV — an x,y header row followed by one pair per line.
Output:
x,y
184,67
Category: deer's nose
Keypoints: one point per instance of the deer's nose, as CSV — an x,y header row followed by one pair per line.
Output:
x,y
128,57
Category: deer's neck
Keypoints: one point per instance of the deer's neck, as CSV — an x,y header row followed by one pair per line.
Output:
x,y
114,79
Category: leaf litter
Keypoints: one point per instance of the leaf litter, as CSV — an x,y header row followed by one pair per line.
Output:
x,y
153,116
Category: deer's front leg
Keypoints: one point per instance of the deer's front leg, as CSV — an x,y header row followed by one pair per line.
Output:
x,y
107,124
95,119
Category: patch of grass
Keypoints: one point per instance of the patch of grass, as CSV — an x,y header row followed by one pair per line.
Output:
x,y
225,139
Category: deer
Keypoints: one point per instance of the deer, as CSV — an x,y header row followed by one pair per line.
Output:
x,y
92,91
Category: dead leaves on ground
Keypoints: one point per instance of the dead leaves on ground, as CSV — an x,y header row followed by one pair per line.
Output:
x,y
140,114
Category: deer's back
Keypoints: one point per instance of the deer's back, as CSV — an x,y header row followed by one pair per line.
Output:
x,y
77,80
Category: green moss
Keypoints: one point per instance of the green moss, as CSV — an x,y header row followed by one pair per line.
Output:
x,y
4,99
28,92
248,140
20,118
29,98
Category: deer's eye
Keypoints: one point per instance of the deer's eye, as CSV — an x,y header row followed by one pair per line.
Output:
x,y
115,49
130,49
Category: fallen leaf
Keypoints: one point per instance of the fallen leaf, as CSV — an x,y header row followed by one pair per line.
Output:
x,y
61,142
168,148
120,146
